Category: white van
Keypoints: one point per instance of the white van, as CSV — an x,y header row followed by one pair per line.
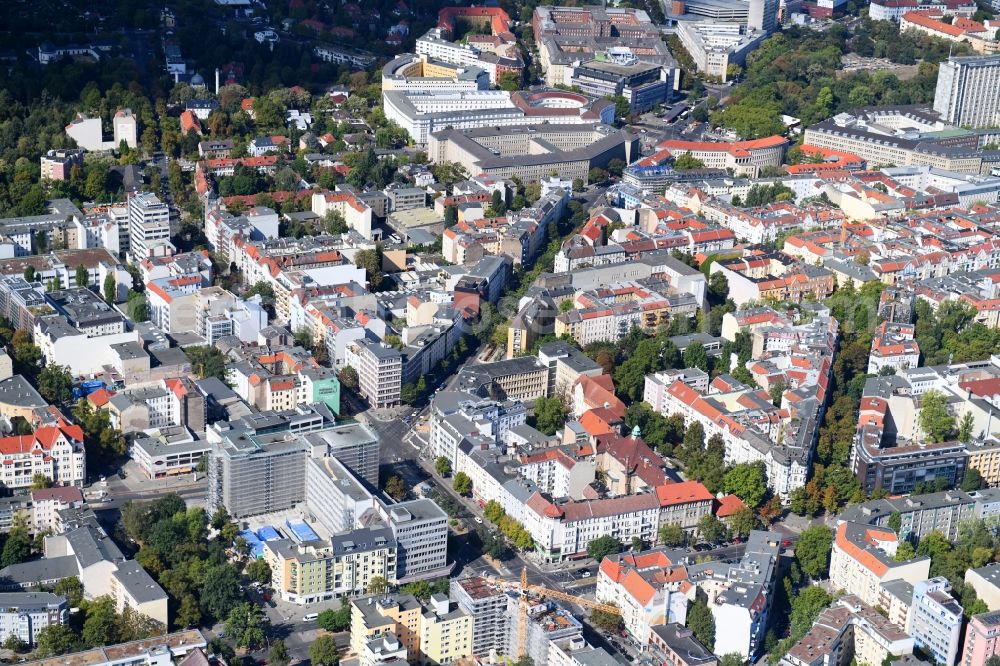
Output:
x,y
310,617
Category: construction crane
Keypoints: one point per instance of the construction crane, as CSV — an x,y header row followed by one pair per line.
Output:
x,y
524,589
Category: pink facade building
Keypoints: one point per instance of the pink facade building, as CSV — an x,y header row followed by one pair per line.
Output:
x,y
982,639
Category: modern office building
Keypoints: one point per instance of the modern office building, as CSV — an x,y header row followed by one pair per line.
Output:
x,y
936,620
763,15
714,47
420,528
149,226
380,371
619,73
966,93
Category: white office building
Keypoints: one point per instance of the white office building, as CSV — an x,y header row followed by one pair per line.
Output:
x,y
149,226
966,93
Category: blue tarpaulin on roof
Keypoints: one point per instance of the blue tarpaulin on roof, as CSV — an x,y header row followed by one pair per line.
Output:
x,y
256,547
301,530
268,533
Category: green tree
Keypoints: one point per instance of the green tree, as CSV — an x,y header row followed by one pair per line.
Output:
x,y
324,652
748,481
450,216
39,481
247,626
443,466
597,176
895,521
965,427
54,640
110,288
701,622
462,483
14,644
493,511
377,585
806,607
731,659
973,480
278,654
601,547
934,419
550,415
711,529
221,590
72,589
101,624
334,223
812,551
695,356
207,361
259,571
336,620
395,487
509,81
743,522
55,384
905,551
348,377
370,261
17,548
687,162
673,535
82,277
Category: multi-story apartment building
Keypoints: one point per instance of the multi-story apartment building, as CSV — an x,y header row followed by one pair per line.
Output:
x,y
740,594
53,451
982,639
986,582
609,313
309,572
850,630
446,631
965,90
934,512
936,620
380,371
24,614
893,347
149,226
487,603
646,588
862,559
898,459
522,378
56,164
677,646
439,631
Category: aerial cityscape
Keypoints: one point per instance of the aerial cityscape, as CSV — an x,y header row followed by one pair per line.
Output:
x,y
402,333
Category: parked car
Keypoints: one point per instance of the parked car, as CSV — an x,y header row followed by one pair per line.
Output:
x,y
586,574
478,520
786,543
